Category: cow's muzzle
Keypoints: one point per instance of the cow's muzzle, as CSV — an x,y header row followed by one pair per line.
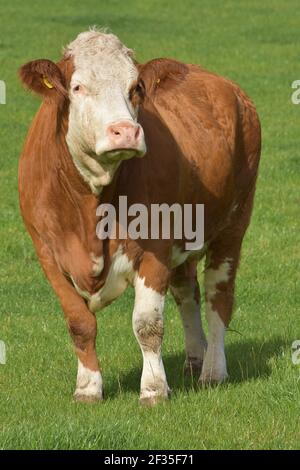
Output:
x,y
125,140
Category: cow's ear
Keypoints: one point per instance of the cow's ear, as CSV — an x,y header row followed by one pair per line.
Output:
x,y
160,74
44,78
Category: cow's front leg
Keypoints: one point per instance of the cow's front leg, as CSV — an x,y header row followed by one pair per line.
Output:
x,y
83,329
148,329
82,325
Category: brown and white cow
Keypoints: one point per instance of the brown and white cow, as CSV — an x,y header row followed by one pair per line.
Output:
x,y
100,108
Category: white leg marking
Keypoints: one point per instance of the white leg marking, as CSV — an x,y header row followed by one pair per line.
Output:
x,y
195,341
89,384
214,367
148,329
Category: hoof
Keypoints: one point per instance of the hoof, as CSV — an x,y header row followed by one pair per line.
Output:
x,y
212,380
83,398
193,369
152,400
214,371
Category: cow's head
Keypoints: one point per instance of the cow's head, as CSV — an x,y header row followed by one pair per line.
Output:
x,y
103,105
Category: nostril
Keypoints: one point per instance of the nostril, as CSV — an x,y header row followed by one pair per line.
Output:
x,y
125,134
137,132
115,131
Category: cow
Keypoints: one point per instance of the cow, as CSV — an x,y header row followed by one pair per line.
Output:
x,y
162,132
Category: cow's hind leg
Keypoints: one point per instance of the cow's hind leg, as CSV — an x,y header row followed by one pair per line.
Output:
x,y
185,290
221,265
218,305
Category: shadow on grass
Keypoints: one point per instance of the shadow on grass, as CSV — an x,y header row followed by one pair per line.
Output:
x,y
246,360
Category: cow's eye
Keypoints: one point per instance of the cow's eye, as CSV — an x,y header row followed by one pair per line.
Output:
x,y
137,93
76,88
138,89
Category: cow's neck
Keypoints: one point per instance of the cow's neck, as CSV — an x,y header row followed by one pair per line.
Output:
x,y
98,251
96,175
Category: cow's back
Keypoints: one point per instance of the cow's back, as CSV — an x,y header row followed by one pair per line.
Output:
x,y
203,140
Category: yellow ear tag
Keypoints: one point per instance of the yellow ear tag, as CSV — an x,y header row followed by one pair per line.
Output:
x,y
158,81
47,83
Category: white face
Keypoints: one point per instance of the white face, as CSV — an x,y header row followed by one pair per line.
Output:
x,y
103,128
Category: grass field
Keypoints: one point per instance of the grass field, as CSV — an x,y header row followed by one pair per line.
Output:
x,y
257,44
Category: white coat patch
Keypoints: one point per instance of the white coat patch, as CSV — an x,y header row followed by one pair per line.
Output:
x,y
89,383
104,71
120,274
148,309
213,277
179,256
214,365
98,264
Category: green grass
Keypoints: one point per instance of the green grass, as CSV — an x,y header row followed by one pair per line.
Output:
x,y
257,44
